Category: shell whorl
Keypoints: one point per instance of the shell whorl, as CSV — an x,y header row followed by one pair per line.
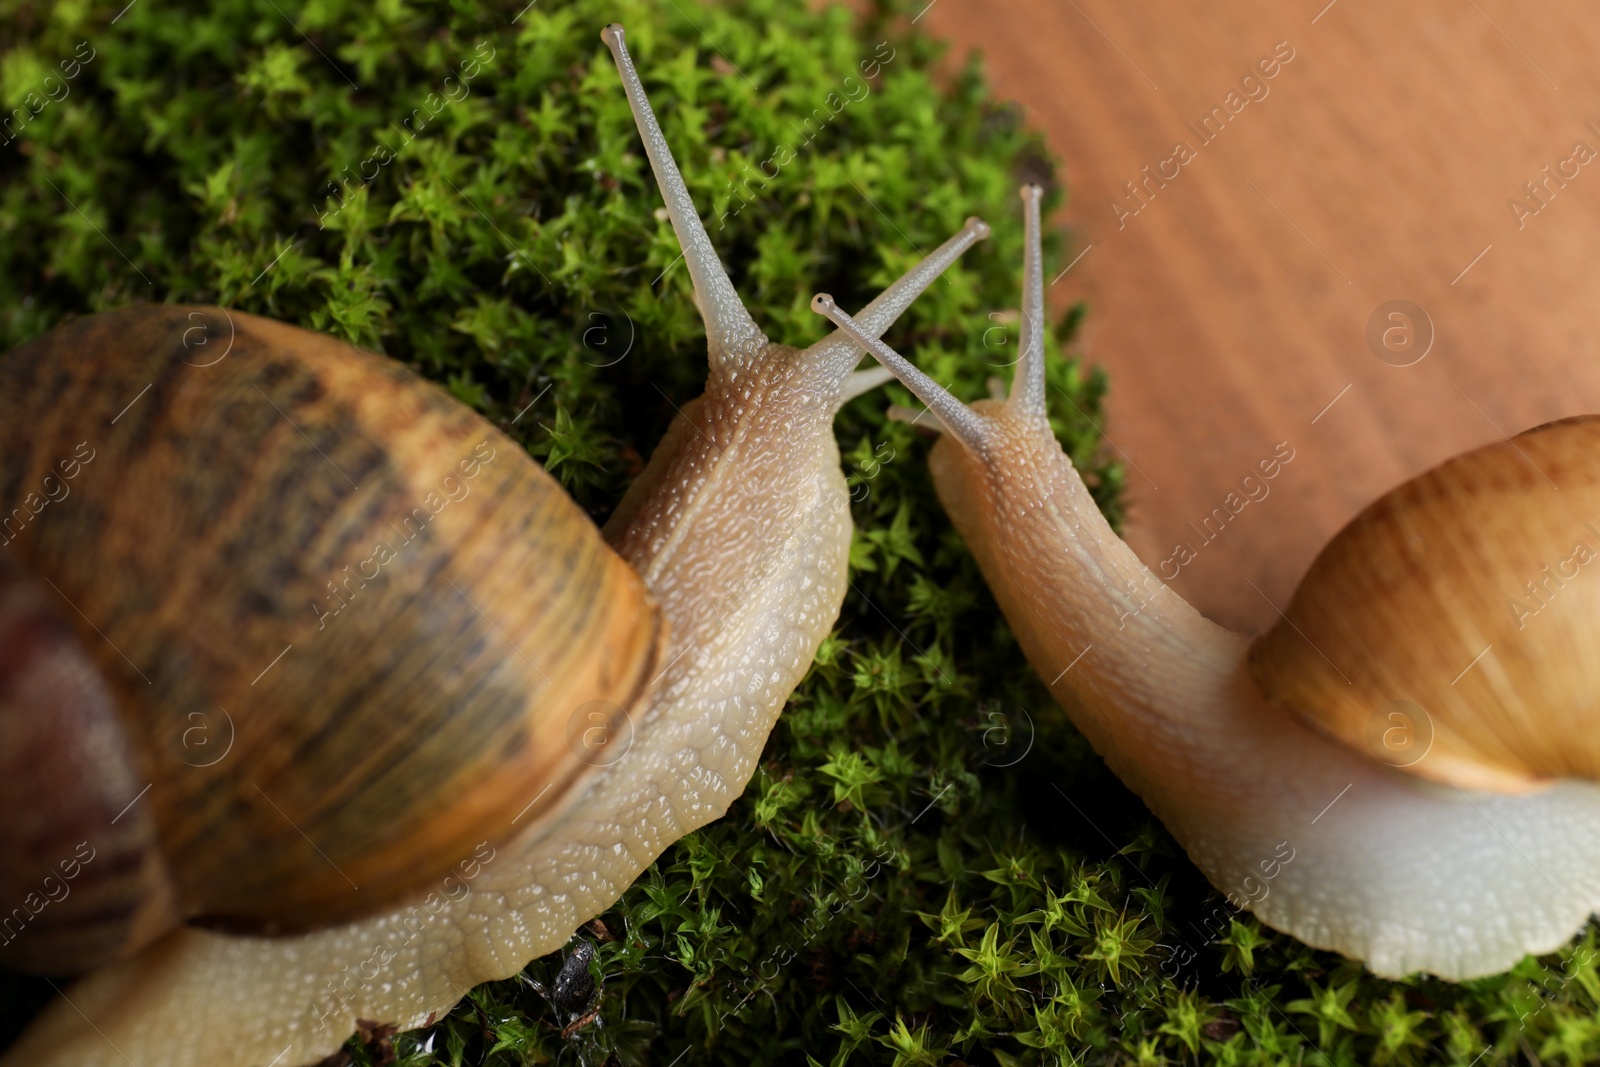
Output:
x,y
397,624
1452,629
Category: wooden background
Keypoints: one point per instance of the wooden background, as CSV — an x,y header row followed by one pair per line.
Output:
x,y
1232,309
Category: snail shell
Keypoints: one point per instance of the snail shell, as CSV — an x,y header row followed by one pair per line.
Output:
x,y
1451,629
388,613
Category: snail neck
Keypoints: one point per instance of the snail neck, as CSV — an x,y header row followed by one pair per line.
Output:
x,y
745,547
711,522
1129,658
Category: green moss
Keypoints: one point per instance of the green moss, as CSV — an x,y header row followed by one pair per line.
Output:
x,y
930,864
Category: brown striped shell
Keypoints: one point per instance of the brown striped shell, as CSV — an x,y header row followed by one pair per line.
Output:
x,y
1452,629
285,632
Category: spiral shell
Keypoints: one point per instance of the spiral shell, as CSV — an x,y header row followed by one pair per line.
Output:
x,y
384,619
1452,629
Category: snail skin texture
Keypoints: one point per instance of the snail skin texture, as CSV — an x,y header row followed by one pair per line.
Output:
x,y
737,534
1458,861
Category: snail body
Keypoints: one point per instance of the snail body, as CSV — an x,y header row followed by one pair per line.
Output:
x,y
729,552
1278,767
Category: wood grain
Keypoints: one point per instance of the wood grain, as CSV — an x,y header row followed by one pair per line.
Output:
x,y
1232,309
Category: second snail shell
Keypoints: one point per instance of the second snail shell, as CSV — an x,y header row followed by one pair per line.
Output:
x,y
1453,627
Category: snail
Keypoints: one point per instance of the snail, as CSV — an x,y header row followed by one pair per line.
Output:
x,y
489,721
1403,768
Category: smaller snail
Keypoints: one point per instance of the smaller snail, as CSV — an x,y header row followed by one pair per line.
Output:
x,y
242,477
1403,768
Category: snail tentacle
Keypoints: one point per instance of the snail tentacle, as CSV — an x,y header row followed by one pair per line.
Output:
x,y
864,381
732,335
840,350
958,420
1027,387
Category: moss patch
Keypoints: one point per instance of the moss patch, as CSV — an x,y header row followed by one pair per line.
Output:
x,y
930,864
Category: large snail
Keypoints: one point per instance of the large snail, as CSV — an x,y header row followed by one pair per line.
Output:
x,y
449,720
1403,768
